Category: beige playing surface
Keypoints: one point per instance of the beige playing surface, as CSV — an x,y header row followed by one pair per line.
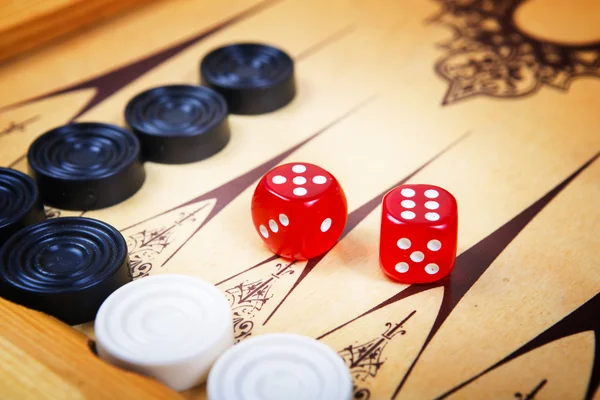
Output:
x,y
496,101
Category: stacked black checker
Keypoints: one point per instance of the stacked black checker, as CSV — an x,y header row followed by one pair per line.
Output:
x,y
20,203
67,266
254,78
86,166
179,124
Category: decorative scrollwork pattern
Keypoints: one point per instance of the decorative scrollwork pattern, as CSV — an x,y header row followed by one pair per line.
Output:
x,y
248,298
490,56
365,359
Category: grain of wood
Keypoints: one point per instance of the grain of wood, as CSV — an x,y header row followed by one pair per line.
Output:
x,y
44,358
27,24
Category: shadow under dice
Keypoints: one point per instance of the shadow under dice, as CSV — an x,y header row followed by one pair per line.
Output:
x,y
299,210
419,228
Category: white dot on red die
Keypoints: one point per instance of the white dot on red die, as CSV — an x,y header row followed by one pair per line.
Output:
x,y
299,168
278,179
434,245
285,221
300,191
431,194
432,268
407,192
273,226
407,203
401,267
319,180
403,243
407,214
432,205
326,224
299,180
263,231
431,216
417,256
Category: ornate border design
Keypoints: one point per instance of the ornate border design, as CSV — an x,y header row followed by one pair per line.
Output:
x,y
489,55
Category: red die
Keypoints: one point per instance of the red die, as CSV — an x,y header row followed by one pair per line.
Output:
x,y
419,232
299,210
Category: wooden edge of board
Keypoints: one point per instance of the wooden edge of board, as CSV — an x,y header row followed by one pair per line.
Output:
x,y
42,357
26,33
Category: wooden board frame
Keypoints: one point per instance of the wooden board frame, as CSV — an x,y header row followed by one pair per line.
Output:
x,y
452,93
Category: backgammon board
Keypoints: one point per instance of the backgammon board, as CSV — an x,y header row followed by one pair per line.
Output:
x,y
495,101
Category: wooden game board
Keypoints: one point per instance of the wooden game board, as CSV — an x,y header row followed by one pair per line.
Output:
x,y
496,101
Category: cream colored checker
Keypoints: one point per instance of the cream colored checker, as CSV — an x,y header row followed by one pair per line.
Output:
x,y
169,326
280,366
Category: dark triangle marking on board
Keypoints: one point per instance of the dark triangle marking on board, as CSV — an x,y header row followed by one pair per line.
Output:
x,y
263,262
474,262
409,291
585,318
114,80
227,192
470,265
356,216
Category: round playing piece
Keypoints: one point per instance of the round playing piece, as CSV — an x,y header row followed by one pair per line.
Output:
x,y
20,203
179,124
254,78
168,326
65,267
280,366
86,166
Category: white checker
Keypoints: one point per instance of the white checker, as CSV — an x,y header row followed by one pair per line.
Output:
x,y
300,191
434,245
319,180
168,326
432,205
299,168
431,194
432,269
403,243
273,226
278,179
407,203
401,267
299,180
407,214
431,216
417,256
263,231
326,224
280,366
407,192
285,221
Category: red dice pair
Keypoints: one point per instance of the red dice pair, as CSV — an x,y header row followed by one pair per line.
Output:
x,y
300,212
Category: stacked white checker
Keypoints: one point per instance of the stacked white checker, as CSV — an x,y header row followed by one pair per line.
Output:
x,y
280,366
170,327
